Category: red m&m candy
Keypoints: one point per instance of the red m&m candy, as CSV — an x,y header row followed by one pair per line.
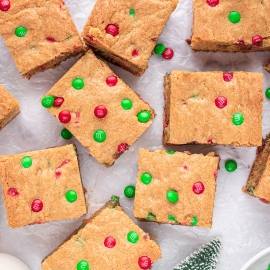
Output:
x,y
58,102
221,102
112,80
64,116
257,41
135,53
4,5
109,242
37,205
168,54
122,147
144,262
112,29
50,39
227,77
100,111
13,192
198,188
212,3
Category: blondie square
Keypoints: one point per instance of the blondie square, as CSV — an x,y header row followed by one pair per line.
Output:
x,y
108,240
176,187
125,32
213,108
39,34
42,186
231,26
99,109
258,183
9,107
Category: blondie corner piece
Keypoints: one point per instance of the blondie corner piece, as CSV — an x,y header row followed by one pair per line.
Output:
x,y
258,183
108,240
230,26
99,109
9,107
126,32
213,108
176,187
42,186
39,34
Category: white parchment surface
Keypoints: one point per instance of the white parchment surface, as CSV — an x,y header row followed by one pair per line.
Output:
x,y
241,220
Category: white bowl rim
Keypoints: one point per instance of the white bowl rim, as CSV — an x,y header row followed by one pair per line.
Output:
x,y
255,258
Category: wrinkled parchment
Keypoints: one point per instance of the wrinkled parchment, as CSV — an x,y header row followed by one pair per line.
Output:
x,y
241,220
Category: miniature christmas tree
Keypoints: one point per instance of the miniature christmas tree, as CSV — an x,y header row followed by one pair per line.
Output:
x,y
205,258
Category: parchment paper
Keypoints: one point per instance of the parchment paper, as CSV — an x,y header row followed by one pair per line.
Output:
x,y
241,220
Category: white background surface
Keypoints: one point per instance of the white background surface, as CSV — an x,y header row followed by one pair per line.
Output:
x,y
241,220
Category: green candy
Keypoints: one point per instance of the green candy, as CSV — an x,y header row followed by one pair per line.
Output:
x,y
126,104
47,102
144,116
159,49
66,134
151,216
132,237
267,93
20,31
146,178
234,17
129,191
238,119
172,196
230,165
172,218
114,198
26,162
99,136
71,196
170,152
78,83
83,265
132,12
194,221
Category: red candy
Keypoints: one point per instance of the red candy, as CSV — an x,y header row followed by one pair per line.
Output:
x,y
144,262
13,192
64,116
257,41
58,102
215,174
135,53
112,29
185,167
50,39
198,188
221,102
240,42
112,80
57,172
168,54
109,242
264,201
227,77
212,3
4,5
122,147
100,111
36,205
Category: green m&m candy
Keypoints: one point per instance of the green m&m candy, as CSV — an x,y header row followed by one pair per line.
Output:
x,y
234,17
172,218
129,191
170,152
146,178
194,221
20,31
267,93
47,101
172,196
133,237
83,265
78,83
238,119
126,104
151,216
99,136
144,116
132,12
159,49
26,162
71,196
231,165
66,134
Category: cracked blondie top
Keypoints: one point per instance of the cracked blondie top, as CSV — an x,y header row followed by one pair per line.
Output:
x,y
213,108
39,34
99,109
9,107
176,187
125,32
108,240
231,26
42,186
